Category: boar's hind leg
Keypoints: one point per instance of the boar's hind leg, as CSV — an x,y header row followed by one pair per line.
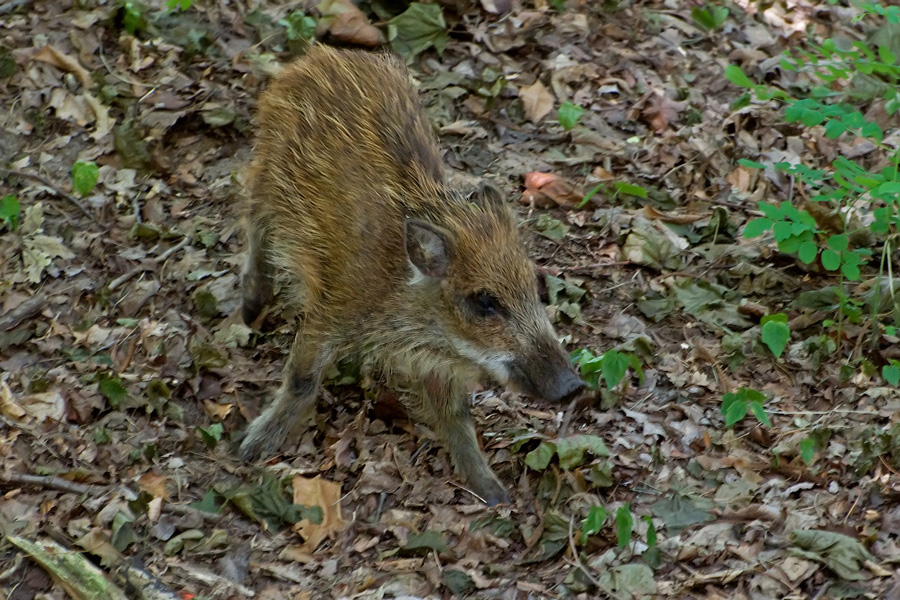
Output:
x,y
447,413
257,277
294,400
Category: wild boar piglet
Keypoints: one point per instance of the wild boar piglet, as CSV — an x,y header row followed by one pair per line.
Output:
x,y
391,260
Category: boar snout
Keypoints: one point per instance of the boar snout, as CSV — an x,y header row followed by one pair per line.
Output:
x,y
546,373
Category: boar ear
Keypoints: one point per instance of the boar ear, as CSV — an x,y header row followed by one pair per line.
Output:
x,y
488,194
426,248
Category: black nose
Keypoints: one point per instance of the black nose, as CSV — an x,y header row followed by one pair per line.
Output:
x,y
566,386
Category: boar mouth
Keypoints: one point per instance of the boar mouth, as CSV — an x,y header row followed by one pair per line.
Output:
x,y
544,373
546,378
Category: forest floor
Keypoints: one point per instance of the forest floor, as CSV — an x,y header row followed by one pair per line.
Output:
x,y
127,376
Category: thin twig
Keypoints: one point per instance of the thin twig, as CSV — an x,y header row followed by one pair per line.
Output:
x,y
147,265
47,481
587,573
377,516
49,185
422,446
64,485
464,488
822,590
576,561
578,403
211,579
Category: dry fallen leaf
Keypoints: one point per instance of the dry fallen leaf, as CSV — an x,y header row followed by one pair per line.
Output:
x,y
324,494
154,509
536,179
546,190
41,407
661,111
353,27
96,541
52,56
104,123
217,412
536,100
154,484
668,217
8,405
347,23
70,107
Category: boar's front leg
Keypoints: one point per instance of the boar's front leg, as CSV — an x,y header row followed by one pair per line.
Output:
x,y
256,282
446,410
295,398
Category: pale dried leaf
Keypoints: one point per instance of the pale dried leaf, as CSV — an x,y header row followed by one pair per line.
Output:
x,y
537,101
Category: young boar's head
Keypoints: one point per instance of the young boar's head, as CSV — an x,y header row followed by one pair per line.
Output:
x,y
485,295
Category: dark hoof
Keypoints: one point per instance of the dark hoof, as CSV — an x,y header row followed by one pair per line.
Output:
x,y
493,493
250,312
248,452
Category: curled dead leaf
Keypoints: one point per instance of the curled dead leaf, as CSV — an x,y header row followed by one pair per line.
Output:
x,y
346,22
546,190
52,56
660,111
743,179
353,27
104,123
668,217
40,407
8,406
217,412
327,496
536,179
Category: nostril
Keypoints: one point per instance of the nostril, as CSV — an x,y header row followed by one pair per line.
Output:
x,y
570,388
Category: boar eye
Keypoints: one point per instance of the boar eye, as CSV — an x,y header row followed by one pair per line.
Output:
x,y
484,304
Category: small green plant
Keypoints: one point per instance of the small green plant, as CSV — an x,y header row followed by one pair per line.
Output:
x,y
611,366
570,450
211,435
796,231
775,333
652,554
736,404
858,199
84,177
629,189
9,211
419,27
113,388
133,19
593,523
569,114
891,372
807,448
624,525
298,26
709,17
181,5
846,184
847,308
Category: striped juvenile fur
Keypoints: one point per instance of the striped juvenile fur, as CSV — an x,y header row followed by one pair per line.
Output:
x,y
348,200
